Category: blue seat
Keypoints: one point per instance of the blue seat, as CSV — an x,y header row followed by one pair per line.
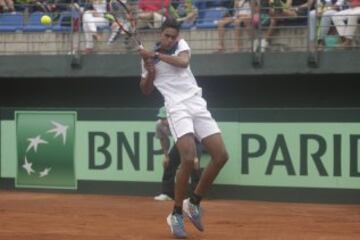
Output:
x,y
65,21
187,25
220,3
34,24
211,17
11,22
200,4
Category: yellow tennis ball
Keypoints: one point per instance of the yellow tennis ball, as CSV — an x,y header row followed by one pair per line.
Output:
x,y
46,20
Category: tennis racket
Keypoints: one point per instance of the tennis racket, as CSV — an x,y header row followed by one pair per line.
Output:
x,y
123,17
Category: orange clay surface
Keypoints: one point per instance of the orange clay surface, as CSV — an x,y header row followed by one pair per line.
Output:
x,y
54,216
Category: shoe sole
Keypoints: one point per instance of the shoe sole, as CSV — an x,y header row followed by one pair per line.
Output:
x,y
172,230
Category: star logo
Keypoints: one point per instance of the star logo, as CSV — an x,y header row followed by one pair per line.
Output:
x,y
46,149
45,172
28,167
34,142
59,130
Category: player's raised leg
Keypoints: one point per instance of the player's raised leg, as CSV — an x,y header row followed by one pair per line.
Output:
x,y
215,146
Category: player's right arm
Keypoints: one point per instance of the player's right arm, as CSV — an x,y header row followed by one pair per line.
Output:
x,y
147,76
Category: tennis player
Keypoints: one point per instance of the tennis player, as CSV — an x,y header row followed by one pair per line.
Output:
x,y
167,68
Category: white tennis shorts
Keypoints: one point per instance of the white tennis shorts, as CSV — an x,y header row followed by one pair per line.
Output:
x,y
191,116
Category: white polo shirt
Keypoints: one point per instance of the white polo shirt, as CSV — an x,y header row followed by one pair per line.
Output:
x,y
174,83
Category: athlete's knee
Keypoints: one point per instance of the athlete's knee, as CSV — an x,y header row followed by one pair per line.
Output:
x,y
221,158
188,162
225,157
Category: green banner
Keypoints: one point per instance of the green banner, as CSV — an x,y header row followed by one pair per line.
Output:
x,y
323,155
261,154
292,153
45,149
118,151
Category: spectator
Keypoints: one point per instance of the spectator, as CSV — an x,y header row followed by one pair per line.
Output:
x,y
7,6
29,6
346,23
151,13
242,15
261,17
63,5
280,11
325,10
51,6
183,11
42,6
92,19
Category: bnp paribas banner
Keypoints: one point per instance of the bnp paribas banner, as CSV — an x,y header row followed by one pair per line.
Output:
x,y
286,148
45,149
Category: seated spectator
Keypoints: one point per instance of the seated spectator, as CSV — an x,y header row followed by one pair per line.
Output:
x,y
42,6
183,11
261,17
51,6
28,6
346,22
63,5
93,18
151,13
47,6
280,11
325,10
241,15
7,6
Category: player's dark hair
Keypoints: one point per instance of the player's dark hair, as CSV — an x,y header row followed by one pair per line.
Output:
x,y
170,23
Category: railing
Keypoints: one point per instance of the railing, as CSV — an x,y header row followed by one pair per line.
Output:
x,y
21,33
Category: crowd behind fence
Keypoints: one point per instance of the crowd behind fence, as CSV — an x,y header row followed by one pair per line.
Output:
x,y
208,25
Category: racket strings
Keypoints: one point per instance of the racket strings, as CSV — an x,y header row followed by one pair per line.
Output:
x,y
123,15
125,25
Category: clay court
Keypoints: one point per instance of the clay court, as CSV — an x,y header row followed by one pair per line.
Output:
x,y
55,216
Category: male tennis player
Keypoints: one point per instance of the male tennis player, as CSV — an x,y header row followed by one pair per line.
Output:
x,y
167,68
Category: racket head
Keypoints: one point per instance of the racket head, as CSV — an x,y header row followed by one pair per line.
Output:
x,y
122,16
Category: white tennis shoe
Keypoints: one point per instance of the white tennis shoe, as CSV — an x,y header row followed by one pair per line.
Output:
x,y
162,197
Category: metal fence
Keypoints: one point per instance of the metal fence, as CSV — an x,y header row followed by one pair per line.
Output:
x,y
216,26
